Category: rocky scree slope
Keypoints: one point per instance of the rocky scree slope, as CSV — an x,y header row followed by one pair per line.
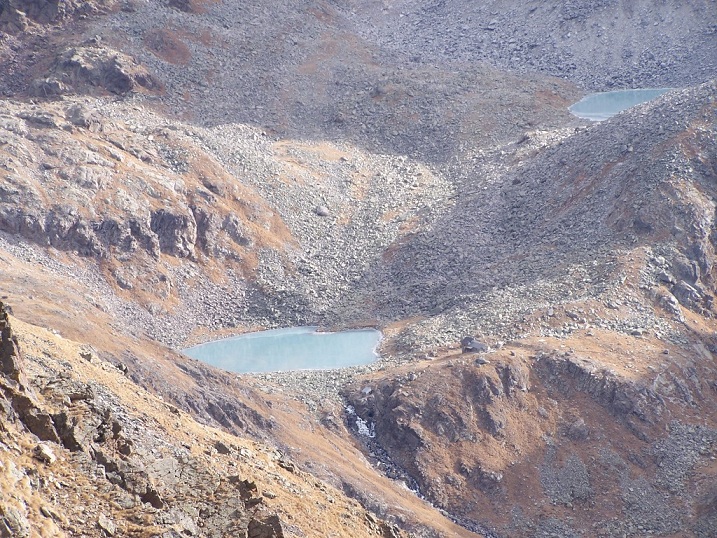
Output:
x,y
273,231
85,452
619,355
276,252
418,80
308,224
18,16
268,272
249,407
406,78
554,227
301,73
600,45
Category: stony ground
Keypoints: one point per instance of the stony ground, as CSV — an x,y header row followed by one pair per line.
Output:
x,y
88,453
177,171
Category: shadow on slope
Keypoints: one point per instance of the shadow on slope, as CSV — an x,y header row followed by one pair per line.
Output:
x,y
553,229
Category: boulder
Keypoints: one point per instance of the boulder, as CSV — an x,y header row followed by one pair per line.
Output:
x,y
10,356
268,527
44,453
578,430
47,87
688,295
177,233
81,116
208,225
106,524
471,345
100,67
322,211
237,230
13,524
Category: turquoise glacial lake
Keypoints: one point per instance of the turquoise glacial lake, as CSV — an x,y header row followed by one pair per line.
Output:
x,y
601,106
295,348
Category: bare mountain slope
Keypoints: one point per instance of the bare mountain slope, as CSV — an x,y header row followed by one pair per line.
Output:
x,y
600,45
553,227
591,434
626,271
85,452
171,172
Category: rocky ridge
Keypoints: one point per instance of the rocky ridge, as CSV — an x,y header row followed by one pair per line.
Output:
x,y
102,466
611,202
472,431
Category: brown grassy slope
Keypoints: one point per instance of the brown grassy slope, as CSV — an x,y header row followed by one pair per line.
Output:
x,y
560,428
74,499
275,418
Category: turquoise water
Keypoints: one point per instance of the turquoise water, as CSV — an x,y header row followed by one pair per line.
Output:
x,y
296,348
601,106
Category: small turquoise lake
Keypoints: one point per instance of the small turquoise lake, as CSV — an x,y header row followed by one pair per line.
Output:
x,y
295,348
601,106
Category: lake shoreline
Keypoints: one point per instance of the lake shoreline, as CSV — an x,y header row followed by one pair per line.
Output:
x,y
290,349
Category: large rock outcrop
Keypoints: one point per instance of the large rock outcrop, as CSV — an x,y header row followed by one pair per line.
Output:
x,y
18,16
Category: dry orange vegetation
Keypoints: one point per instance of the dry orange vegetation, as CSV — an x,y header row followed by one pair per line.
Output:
x,y
305,505
167,46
